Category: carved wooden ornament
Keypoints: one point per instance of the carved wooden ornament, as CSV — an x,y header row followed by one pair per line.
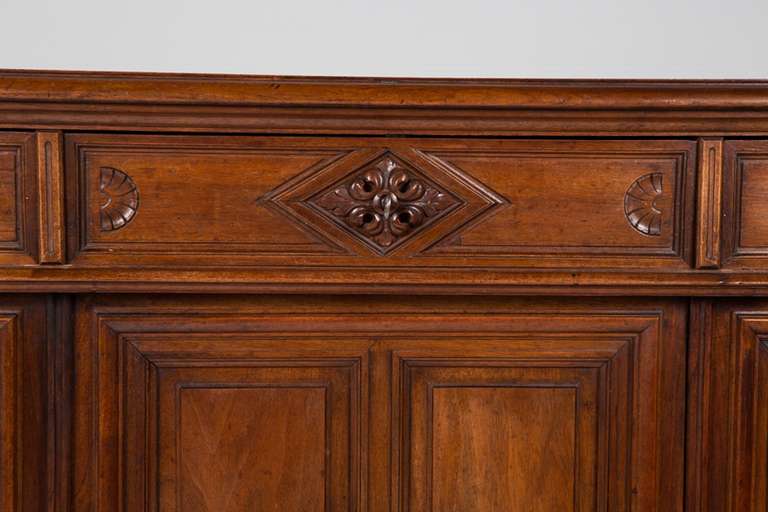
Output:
x,y
640,204
120,199
385,202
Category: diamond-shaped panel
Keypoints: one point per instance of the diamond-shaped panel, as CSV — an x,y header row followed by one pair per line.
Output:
x,y
385,202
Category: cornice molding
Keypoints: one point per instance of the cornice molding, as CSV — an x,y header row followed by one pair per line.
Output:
x,y
244,90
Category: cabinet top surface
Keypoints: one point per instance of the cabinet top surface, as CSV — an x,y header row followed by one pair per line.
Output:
x,y
199,89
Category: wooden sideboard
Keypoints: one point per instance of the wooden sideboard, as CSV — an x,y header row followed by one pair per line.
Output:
x,y
229,293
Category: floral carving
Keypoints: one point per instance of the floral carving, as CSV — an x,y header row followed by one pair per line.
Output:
x,y
120,199
385,202
640,204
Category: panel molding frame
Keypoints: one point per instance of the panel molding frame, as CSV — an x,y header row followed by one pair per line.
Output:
x,y
24,249
728,378
678,254
404,362
382,323
80,186
102,349
32,469
646,335
735,153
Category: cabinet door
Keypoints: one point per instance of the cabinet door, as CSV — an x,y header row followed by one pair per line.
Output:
x,y
27,428
216,406
539,406
729,407
378,404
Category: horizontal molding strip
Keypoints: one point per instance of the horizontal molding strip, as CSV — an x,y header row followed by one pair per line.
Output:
x,y
199,89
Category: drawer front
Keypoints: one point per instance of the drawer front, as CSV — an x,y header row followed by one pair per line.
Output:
x,y
18,199
367,202
745,209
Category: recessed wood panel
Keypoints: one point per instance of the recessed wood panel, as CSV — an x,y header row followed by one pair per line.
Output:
x,y
504,447
745,192
200,412
510,425
448,403
27,425
362,202
244,448
538,409
603,198
18,199
251,440
199,196
729,402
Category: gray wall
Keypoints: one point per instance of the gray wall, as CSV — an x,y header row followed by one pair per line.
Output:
x,y
471,38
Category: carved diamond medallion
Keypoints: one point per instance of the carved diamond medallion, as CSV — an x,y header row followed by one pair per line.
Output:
x,y
385,202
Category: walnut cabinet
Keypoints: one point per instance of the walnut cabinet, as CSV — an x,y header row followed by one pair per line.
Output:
x,y
228,293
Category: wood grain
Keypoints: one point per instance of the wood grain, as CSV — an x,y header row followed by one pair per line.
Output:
x,y
251,449
379,360
50,179
514,204
489,457
710,210
27,457
731,386
18,199
387,254
171,433
175,103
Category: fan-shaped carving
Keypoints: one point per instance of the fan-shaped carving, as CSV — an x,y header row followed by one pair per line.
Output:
x,y
640,204
120,199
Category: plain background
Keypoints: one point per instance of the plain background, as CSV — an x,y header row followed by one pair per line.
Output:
x,y
468,38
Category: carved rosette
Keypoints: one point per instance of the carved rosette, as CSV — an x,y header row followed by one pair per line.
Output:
x,y
120,199
385,202
640,204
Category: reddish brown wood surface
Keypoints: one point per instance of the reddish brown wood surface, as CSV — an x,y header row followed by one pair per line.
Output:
x,y
30,462
145,367
18,199
224,211
372,371
236,201
50,186
167,102
710,209
729,386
